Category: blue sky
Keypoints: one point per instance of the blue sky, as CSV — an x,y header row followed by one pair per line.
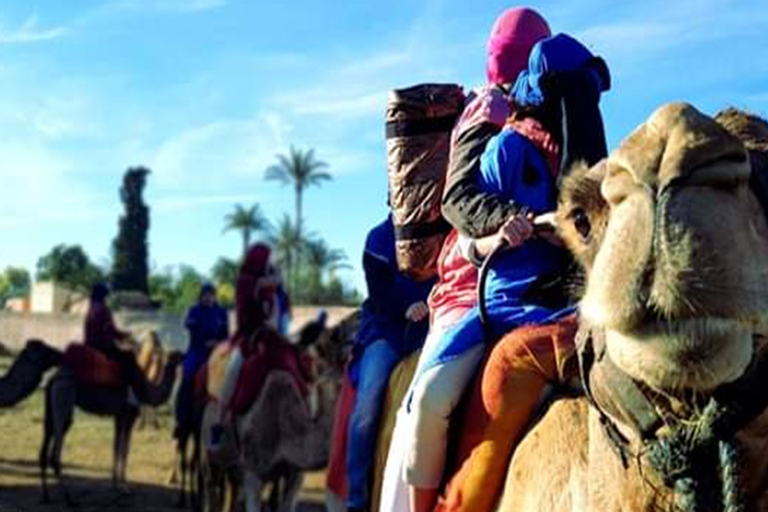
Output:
x,y
206,92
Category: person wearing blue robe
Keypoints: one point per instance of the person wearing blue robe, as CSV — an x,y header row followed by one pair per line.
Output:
x,y
394,323
208,324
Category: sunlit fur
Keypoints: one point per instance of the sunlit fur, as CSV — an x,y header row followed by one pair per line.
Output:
x,y
675,259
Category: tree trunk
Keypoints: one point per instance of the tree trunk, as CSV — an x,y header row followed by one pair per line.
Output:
x,y
297,259
246,242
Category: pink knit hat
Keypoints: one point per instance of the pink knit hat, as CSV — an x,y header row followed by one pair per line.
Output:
x,y
512,37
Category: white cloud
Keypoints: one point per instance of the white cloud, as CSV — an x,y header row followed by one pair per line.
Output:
x,y
218,153
641,34
168,6
188,201
40,186
29,32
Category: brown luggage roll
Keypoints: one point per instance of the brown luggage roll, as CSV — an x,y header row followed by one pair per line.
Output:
x,y
419,123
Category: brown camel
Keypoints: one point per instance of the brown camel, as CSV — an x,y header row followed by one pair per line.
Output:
x,y
672,233
279,437
279,440
63,394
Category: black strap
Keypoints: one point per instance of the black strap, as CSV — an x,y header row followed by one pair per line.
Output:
x,y
415,127
422,230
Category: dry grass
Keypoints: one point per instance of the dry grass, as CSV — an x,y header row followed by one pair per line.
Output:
x,y
88,458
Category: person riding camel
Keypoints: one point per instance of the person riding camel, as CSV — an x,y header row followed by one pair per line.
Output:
x,y
469,209
393,324
208,325
257,347
101,334
520,166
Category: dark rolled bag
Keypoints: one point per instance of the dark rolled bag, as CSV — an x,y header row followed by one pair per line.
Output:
x,y
419,124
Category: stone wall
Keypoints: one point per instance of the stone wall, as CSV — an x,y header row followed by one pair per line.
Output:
x,y
61,329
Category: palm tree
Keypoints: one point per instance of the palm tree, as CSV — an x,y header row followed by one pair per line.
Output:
x,y
321,260
302,170
286,244
246,221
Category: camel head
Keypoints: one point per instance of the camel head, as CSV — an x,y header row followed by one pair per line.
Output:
x,y
674,244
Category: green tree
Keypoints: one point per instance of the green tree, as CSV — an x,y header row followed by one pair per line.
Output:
x,y
321,260
301,170
130,269
188,286
176,289
19,282
286,244
70,266
247,221
162,288
225,271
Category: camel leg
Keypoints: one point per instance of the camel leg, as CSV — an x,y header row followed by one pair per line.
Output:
x,y
116,442
63,393
124,423
181,455
194,472
45,447
293,481
252,485
126,447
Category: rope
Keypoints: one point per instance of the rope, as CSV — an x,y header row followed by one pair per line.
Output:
x,y
729,464
698,464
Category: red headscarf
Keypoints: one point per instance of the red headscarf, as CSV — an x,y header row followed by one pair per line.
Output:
x,y
254,303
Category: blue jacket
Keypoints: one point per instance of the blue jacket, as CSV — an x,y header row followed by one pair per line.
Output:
x,y
515,170
390,293
204,324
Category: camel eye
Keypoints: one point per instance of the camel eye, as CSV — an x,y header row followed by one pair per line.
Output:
x,y
581,222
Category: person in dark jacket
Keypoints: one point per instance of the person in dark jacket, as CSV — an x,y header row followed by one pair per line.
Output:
x,y
208,325
473,212
394,323
101,333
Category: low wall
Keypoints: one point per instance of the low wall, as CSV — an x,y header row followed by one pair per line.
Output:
x,y
61,329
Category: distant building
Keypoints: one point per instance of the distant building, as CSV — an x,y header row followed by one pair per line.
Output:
x,y
21,305
54,298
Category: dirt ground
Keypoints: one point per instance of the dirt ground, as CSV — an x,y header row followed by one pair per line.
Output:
x,y
88,458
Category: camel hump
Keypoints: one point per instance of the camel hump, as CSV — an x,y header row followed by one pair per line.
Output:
x,y
551,457
26,372
279,385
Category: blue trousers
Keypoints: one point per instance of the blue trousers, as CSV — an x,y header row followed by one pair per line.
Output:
x,y
376,364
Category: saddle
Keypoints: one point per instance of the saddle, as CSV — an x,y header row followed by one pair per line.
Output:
x,y
91,367
254,372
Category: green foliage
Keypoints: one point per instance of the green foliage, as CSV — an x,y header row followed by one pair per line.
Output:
x,y
176,289
301,170
130,270
225,271
15,283
286,244
70,266
247,221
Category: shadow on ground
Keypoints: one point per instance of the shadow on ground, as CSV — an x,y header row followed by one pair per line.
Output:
x,y
97,495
